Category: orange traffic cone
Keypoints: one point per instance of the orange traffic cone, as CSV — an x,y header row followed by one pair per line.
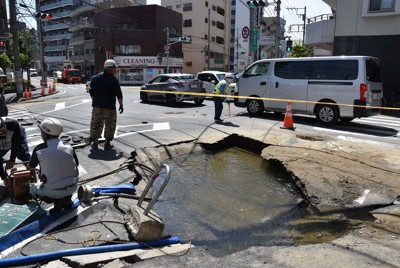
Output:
x,y
43,91
288,121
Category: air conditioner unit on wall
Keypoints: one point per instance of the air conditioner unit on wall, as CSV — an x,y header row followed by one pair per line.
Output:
x,y
189,63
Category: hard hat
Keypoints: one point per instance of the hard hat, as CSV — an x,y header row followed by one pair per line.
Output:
x,y
229,75
2,73
51,126
109,64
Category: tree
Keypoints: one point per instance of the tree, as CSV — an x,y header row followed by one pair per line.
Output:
x,y
301,51
5,61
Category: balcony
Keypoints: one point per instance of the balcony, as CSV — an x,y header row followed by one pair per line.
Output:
x,y
83,23
58,4
54,59
57,26
320,31
81,8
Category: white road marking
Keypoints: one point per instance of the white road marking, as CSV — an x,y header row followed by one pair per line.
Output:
x,y
59,106
66,107
360,200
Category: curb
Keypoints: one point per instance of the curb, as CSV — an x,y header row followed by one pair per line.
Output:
x,y
12,97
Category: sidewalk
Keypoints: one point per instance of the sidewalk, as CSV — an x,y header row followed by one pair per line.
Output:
x,y
12,97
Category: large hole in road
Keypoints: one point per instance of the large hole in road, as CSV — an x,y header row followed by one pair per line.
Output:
x,y
229,199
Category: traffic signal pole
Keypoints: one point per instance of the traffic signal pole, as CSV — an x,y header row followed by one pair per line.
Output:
x,y
40,36
278,29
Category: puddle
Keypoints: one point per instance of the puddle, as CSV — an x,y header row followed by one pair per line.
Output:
x,y
231,200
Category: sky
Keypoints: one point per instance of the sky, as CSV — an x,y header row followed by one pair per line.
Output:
x,y
313,8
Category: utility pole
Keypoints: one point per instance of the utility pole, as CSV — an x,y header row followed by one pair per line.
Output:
x,y
167,52
40,36
278,29
304,17
17,60
208,41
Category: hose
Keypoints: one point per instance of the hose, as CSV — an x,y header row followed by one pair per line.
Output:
x,y
81,251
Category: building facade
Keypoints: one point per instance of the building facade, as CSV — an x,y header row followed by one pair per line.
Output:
x,y
365,27
208,25
136,38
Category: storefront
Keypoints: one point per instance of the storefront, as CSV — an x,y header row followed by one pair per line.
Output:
x,y
139,70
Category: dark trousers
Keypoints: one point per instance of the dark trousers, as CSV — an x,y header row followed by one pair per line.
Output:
x,y
218,105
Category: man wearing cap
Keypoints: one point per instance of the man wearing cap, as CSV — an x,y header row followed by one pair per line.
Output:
x,y
104,89
58,167
13,140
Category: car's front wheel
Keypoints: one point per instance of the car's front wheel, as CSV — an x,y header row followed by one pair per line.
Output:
x,y
255,107
170,99
144,97
198,101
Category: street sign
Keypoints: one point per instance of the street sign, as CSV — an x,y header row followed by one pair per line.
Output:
x,y
166,48
245,32
254,40
174,39
267,40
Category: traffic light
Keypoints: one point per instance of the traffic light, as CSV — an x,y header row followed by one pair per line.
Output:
x,y
46,16
185,39
289,44
2,45
253,4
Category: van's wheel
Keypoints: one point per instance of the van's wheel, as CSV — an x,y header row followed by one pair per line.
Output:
x,y
327,114
144,97
198,101
255,107
171,100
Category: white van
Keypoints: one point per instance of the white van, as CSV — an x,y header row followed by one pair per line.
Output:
x,y
332,88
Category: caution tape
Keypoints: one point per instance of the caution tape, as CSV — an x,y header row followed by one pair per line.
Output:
x,y
270,99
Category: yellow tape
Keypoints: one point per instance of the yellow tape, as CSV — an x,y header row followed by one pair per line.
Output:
x,y
270,99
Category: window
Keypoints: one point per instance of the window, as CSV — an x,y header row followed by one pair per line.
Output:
x,y
220,11
381,5
219,40
219,58
187,7
168,7
206,3
187,23
318,70
206,20
128,49
178,6
213,23
257,69
220,25
214,8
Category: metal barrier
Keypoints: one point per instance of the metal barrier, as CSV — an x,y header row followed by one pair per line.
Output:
x,y
150,183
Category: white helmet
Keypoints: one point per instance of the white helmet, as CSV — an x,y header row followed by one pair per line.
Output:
x,y
51,126
229,75
2,73
109,64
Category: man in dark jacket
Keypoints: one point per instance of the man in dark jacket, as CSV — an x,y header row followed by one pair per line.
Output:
x,y
104,89
13,139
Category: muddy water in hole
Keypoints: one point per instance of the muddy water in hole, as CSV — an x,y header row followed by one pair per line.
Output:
x,y
231,200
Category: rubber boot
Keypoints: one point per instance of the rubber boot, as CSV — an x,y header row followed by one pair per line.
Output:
x,y
108,145
95,144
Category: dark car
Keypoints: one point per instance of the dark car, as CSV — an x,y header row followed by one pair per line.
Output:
x,y
181,87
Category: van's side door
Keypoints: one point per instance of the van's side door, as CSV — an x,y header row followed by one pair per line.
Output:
x,y
255,81
289,82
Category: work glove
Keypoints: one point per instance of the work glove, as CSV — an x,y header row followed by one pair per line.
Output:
x,y
121,109
9,164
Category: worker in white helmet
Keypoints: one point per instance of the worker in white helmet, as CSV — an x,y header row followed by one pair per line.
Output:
x,y
58,167
221,89
104,91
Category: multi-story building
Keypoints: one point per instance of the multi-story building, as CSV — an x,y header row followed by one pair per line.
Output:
x,y
136,38
56,32
364,27
208,23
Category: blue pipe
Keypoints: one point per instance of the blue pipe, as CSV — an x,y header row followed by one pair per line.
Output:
x,y
81,251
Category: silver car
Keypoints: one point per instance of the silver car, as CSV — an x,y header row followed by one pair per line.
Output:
x,y
180,87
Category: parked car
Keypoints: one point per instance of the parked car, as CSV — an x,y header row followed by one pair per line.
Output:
x,y
33,72
211,79
174,82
